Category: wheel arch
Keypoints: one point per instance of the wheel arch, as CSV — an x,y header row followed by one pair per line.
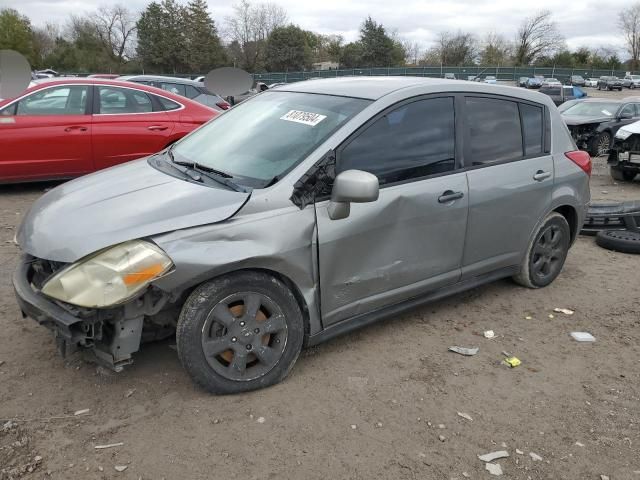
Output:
x,y
571,216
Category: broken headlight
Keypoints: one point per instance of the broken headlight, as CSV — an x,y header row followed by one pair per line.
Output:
x,y
623,134
110,276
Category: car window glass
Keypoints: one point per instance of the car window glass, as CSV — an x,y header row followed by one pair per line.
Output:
x,y
63,100
114,100
173,88
167,104
532,127
190,91
628,109
485,117
415,140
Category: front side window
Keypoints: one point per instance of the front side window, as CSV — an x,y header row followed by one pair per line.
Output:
x,y
266,136
493,130
412,141
63,100
115,100
628,110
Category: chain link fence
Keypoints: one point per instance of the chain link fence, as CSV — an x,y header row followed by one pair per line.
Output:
x,y
501,73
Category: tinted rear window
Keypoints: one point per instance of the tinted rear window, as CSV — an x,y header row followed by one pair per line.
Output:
x,y
493,130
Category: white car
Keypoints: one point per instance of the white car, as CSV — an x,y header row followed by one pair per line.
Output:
x,y
591,82
631,81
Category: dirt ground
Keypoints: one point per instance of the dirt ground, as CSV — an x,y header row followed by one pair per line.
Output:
x,y
382,402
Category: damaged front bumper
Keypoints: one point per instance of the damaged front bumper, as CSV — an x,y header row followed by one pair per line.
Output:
x,y
107,336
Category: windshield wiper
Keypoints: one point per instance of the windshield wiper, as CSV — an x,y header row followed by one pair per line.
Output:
x,y
196,171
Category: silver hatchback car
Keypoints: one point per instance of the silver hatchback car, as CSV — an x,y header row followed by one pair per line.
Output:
x,y
302,214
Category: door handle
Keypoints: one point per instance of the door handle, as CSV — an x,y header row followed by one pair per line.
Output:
x,y
157,127
450,196
75,127
541,175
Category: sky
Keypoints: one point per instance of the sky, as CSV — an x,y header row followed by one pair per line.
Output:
x,y
591,23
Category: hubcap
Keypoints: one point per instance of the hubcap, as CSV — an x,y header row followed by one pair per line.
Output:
x,y
548,253
244,336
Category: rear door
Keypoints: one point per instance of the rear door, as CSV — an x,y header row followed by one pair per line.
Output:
x,y
46,134
127,124
411,239
510,173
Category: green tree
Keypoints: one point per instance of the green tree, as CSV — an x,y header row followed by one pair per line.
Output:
x,y
378,48
16,33
351,55
162,37
287,49
204,50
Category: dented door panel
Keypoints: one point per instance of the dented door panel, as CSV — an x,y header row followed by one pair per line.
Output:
x,y
404,244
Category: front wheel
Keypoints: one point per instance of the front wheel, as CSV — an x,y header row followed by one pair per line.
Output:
x,y
546,254
600,144
240,332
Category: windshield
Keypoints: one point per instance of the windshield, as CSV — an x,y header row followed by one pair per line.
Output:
x,y
268,135
592,109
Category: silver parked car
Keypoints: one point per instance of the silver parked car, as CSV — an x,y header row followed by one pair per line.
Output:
x,y
302,214
184,87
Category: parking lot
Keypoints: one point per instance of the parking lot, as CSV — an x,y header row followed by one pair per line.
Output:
x,y
383,402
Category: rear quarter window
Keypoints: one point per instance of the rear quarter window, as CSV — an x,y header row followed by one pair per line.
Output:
x,y
167,104
532,127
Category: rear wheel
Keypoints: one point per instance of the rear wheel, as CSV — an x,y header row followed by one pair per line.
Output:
x,y
622,175
240,332
546,254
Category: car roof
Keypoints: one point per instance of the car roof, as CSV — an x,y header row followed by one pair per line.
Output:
x,y
373,88
603,100
184,81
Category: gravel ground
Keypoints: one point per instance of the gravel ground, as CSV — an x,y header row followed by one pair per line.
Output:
x,y
382,402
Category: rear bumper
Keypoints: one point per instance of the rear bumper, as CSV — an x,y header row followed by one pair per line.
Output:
x,y
38,307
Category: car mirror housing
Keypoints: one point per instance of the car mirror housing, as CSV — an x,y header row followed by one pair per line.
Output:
x,y
352,186
625,116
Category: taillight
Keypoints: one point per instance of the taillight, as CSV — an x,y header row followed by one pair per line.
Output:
x,y
224,105
581,159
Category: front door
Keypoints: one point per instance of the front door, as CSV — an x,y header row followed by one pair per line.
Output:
x,y
411,239
47,134
126,127
510,180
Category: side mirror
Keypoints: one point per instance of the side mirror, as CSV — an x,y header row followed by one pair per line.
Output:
x,y
351,186
625,116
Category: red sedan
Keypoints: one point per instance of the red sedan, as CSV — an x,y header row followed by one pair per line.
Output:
x,y
67,127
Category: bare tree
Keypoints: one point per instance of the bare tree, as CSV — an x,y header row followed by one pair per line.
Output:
x,y
453,49
412,50
250,26
629,23
496,50
115,28
537,36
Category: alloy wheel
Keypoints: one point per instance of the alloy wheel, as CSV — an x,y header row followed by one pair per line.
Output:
x,y
548,253
244,336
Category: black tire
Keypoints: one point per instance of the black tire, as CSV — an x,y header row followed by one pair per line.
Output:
x,y
233,339
546,253
619,240
622,175
600,144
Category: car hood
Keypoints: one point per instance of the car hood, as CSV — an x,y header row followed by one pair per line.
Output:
x,y
122,203
582,120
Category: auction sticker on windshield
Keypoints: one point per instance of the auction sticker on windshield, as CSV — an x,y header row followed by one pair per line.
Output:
x,y
307,118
